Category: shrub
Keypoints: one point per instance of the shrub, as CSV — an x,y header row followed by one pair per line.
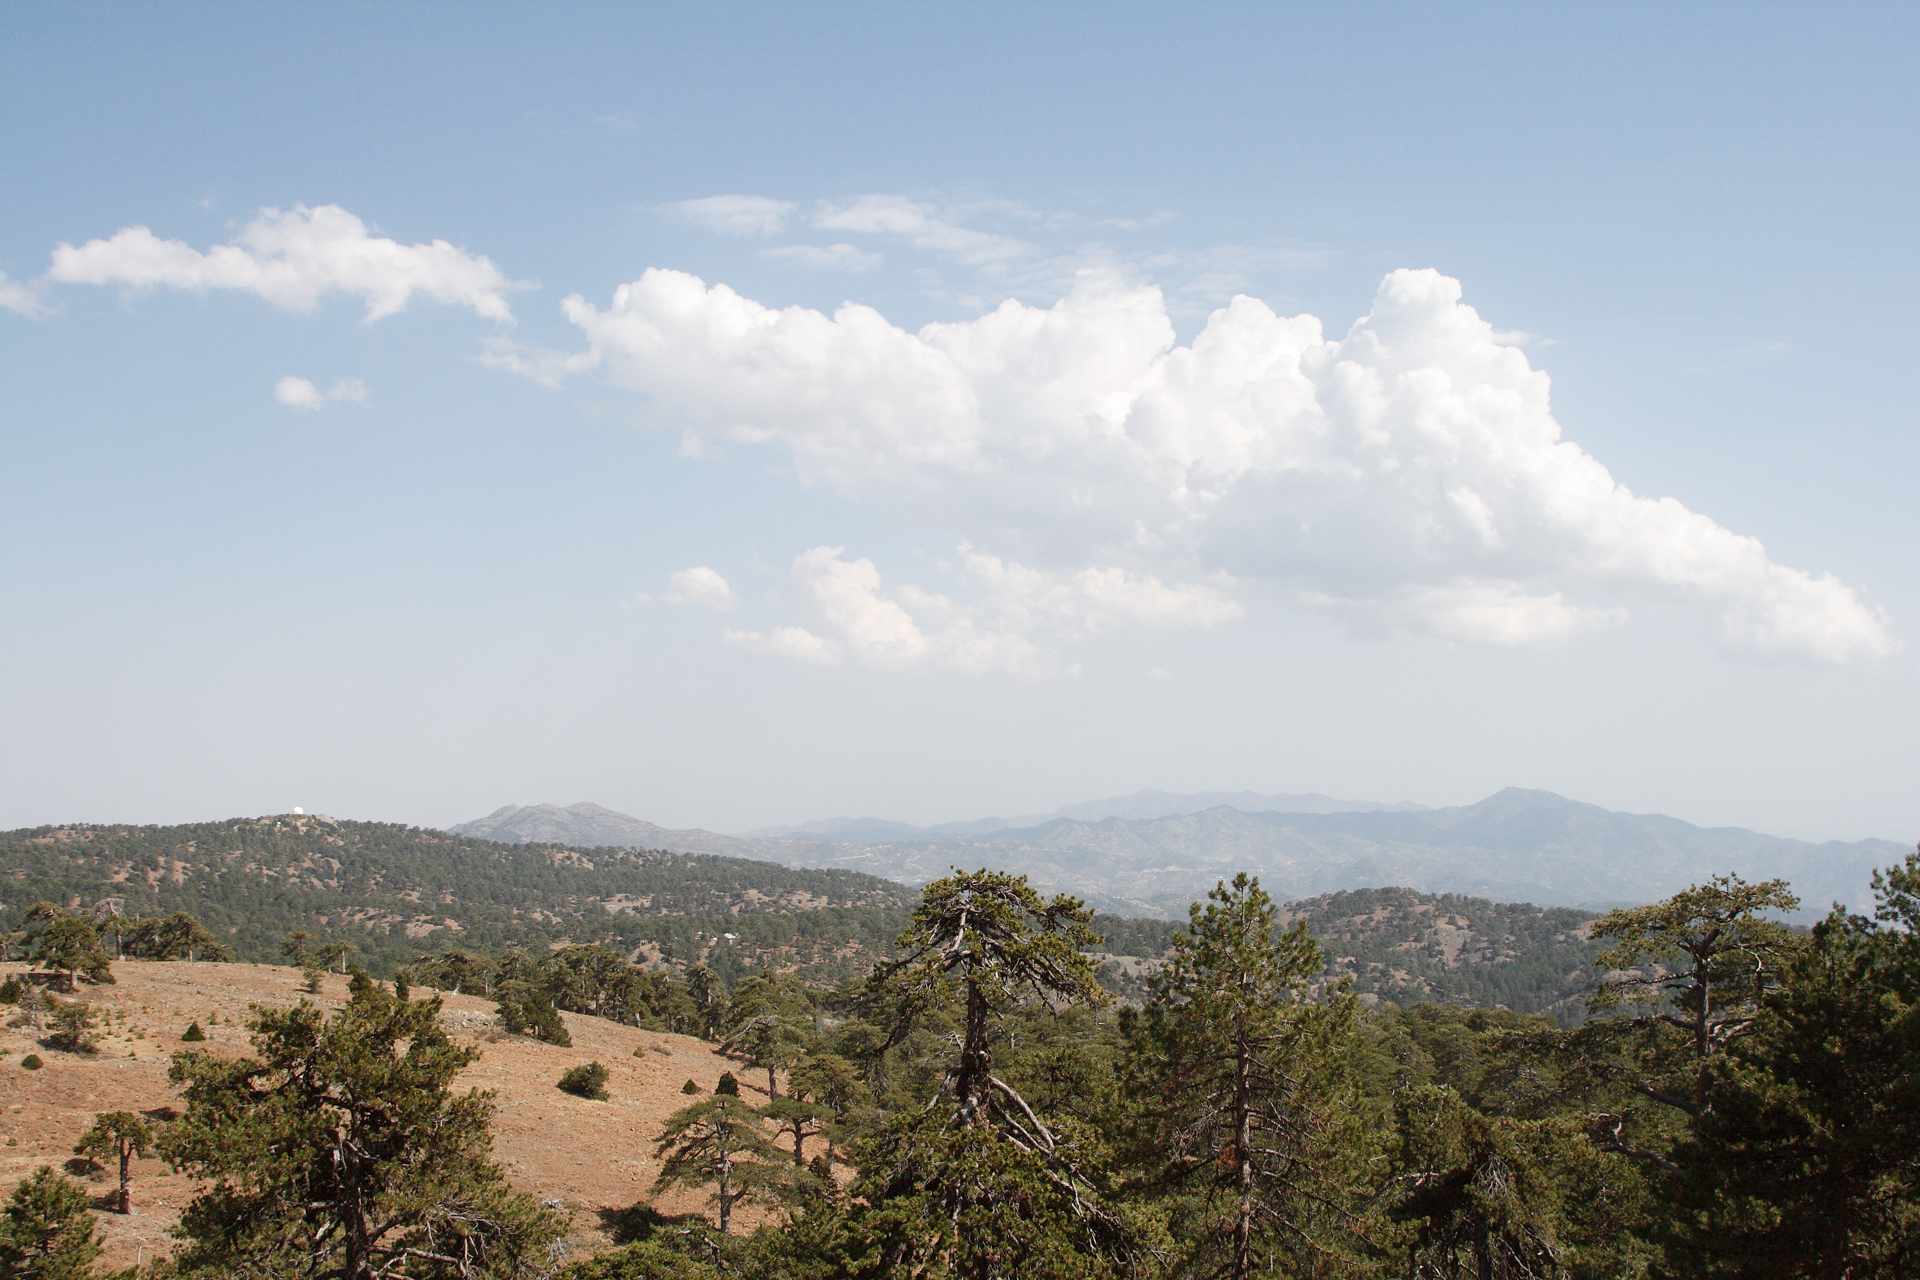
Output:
x,y
193,1034
31,1062
588,1080
10,991
728,1085
689,1088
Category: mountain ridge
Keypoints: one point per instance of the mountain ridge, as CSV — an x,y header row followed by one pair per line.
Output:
x,y
1518,844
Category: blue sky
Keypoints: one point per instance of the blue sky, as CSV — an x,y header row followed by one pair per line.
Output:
x,y
998,565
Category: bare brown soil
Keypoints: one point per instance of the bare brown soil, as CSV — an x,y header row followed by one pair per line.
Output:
x,y
588,1157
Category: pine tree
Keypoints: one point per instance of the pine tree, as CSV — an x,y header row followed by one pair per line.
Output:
x,y
832,1084
769,1025
178,936
718,1144
121,1136
46,1232
1489,1196
709,998
1255,1117
65,944
975,1184
1689,974
1805,1158
340,1150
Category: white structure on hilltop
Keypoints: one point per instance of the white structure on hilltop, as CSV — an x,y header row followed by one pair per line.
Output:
x,y
298,811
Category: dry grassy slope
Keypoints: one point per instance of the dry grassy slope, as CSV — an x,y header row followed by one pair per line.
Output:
x,y
589,1156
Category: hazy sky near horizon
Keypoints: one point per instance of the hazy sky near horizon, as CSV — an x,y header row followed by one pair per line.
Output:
x,y
744,414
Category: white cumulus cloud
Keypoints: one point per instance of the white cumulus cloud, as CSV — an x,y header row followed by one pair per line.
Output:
x,y
1410,470
293,258
701,585
301,393
736,215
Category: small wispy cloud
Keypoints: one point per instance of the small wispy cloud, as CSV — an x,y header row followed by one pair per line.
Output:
x,y
824,257
700,585
922,225
747,216
303,394
21,299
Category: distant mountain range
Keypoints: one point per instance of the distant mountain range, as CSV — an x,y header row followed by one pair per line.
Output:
x,y
1154,852
1136,805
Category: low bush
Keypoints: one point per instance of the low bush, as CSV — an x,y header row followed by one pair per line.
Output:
x,y
588,1080
193,1034
32,1062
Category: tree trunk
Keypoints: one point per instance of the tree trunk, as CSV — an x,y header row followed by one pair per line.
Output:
x,y
974,1058
1243,1159
126,1187
773,1087
726,1203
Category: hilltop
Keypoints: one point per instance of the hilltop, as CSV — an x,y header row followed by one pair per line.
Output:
x,y
592,1158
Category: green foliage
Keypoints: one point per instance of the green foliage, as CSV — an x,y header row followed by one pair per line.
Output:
x,y
525,1009
193,1034
647,1260
769,1023
341,1149
1804,1158
690,1088
174,936
975,1183
31,1062
46,1232
10,990
588,1080
1689,974
65,945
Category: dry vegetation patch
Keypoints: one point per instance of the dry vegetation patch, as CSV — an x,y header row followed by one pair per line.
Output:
x,y
589,1157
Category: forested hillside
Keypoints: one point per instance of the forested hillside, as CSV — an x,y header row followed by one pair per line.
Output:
x,y
396,891
1407,947
1416,947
